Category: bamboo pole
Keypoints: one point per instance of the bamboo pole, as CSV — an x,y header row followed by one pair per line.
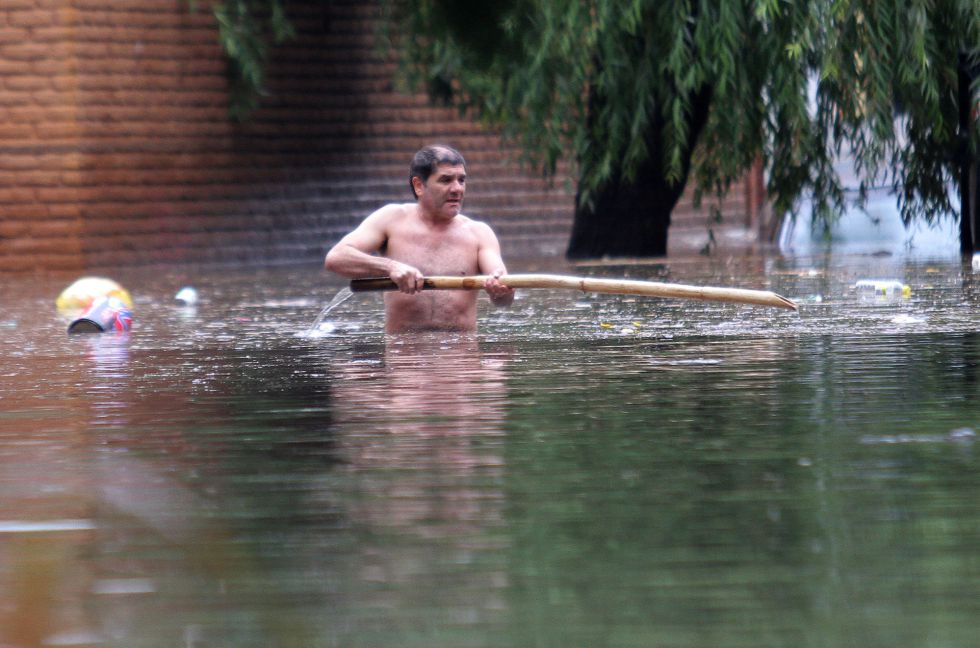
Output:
x,y
589,284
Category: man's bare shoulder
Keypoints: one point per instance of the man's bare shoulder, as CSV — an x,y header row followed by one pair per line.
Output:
x,y
393,212
479,228
469,222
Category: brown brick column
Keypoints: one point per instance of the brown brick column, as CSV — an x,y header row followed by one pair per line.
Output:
x,y
39,136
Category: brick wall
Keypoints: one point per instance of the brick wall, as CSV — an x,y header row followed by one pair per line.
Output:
x,y
115,147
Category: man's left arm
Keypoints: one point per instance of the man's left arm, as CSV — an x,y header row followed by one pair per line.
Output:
x,y
491,263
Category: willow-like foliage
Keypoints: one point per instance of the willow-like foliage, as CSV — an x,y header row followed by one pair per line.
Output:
x,y
604,84
246,29
796,84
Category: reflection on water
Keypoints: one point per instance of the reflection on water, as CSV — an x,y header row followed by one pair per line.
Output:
x,y
421,436
587,470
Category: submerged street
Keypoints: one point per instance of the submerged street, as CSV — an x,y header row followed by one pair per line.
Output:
x,y
586,470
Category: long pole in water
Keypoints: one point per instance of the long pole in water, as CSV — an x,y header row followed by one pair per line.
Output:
x,y
588,284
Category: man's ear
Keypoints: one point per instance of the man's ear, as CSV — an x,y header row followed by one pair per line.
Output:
x,y
417,185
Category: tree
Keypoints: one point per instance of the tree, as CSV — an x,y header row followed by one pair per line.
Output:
x,y
245,29
639,94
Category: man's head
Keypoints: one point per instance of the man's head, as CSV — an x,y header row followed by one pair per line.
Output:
x,y
428,159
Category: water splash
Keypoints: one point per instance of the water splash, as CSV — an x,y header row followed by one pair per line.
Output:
x,y
319,327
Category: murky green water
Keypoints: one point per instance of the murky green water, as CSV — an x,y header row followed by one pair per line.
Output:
x,y
586,471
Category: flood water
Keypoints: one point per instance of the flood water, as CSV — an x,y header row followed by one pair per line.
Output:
x,y
585,471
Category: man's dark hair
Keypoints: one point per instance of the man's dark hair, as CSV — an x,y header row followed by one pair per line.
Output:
x,y
430,157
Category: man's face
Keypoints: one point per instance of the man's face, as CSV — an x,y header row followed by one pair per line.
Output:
x,y
442,193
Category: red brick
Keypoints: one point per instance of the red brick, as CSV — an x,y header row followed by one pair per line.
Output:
x,y
33,246
65,210
26,211
16,195
25,83
11,131
26,178
13,98
16,163
50,67
11,228
29,17
30,51
55,228
152,6
10,6
13,35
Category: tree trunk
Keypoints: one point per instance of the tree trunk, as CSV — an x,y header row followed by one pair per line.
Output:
x,y
968,233
626,220
630,219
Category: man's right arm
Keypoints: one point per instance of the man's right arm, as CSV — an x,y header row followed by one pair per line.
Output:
x,y
354,255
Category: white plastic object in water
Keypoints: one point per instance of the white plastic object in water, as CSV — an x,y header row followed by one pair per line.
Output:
x,y
186,296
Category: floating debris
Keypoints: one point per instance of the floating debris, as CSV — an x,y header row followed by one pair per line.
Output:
x,y
81,294
105,314
186,296
882,290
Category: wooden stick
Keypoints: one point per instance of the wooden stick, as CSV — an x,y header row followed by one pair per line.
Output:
x,y
588,284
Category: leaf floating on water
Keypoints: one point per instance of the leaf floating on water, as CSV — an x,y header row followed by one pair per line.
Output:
x,y
605,325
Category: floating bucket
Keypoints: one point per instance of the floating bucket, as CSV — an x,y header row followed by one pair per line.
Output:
x,y
105,314
84,292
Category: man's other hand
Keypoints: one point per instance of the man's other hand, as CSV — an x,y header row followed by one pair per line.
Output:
x,y
499,293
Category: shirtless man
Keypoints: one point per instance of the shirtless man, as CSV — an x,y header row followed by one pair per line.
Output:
x,y
427,237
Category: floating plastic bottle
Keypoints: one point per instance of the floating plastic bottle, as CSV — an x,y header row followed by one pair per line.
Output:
x,y
882,290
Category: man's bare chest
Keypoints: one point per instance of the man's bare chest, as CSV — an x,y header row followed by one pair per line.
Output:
x,y
448,252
